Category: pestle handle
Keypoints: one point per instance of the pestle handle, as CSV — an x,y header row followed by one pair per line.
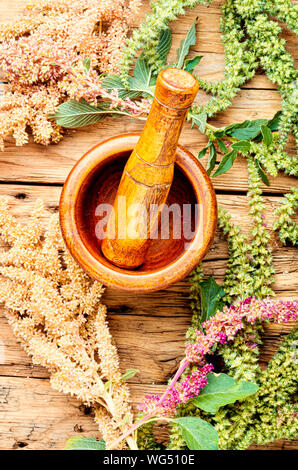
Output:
x,y
149,171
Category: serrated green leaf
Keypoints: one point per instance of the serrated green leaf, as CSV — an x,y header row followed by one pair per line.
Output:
x,y
262,174
141,81
114,82
72,114
198,434
164,45
185,44
140,84
242,145
267,135
84,443
228,129
222,390
142,71
211,159
141,87
129,374
200,120
222,145
211,294
226,163
190,64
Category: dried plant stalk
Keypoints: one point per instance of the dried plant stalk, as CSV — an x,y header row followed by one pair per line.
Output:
x,y
55,311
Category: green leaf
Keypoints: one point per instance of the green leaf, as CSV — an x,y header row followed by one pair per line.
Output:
x,y
114,82
242,145
129,374
222,390
267,135
190,64
198,434
142,71
273,123
164,45
72,114
211,295
141,81
84,443
211,159
222,145
226,163
202,152
185,44
200,120
140,84
245,130
262,174
86,64
220,132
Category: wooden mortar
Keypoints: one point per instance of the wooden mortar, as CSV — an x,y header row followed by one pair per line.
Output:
x,y
95,179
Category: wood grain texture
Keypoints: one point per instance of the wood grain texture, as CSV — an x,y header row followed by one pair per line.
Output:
x,y
148,328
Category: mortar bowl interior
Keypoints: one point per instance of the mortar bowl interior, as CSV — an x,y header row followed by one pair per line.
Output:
x,y
172,254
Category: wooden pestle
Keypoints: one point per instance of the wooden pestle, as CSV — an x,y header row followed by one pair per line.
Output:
x,y
149,171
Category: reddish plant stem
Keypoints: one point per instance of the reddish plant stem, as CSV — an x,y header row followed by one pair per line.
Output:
x,y
183,365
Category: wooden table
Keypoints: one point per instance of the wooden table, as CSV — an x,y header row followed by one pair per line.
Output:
x,y
149,329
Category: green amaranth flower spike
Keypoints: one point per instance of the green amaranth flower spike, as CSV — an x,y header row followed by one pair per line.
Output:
x,y
240,64
273,416
238,283
260,251
288,228
146,439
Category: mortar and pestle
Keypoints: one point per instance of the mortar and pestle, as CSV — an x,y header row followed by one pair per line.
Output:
x,y
138,212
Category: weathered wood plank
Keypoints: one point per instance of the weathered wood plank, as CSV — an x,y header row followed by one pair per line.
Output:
x,y
34,416
38,164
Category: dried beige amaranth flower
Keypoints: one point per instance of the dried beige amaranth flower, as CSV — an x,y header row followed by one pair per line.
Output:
x,y
55,311
56,49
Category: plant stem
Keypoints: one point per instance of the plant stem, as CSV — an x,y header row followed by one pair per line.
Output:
x,y
132,443
215,129
183,365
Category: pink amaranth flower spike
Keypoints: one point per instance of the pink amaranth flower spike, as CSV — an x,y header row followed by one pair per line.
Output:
x,y
221,328
183,391
224,326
